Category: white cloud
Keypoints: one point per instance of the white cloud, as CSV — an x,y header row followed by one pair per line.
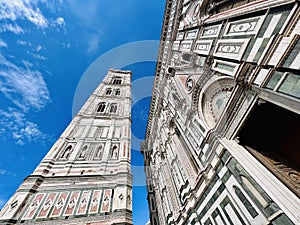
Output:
x,y
6,172
93,43
27,64
14,28
38,48
3,44
60,21
22,9
35,55
24,87
15,124
12,11
24,43
66,45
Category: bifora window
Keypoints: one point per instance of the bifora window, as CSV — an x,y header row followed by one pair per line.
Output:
x,y
113,108
101,107
117,92
117,80
108,91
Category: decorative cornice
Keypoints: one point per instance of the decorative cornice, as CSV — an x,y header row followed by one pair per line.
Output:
x,y
120,71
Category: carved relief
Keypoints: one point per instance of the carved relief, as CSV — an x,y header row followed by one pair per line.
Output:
x,y
289,176
192,16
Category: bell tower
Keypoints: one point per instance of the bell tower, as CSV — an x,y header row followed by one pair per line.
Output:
x,y
85,178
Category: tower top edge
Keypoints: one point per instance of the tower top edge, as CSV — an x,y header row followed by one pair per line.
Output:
x,y
120,71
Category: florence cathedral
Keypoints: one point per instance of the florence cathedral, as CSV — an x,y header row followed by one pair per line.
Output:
x,y
222,141
85,178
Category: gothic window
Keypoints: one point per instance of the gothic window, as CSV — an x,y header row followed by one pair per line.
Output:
x,y
67,152
101,107
114,152
117,80
113,108
117,92
108,91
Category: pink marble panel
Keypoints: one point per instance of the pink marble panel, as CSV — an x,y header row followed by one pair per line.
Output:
x,y
95,202
83,203
44,211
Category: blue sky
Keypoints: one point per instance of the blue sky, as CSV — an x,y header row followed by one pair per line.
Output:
x,y
46,47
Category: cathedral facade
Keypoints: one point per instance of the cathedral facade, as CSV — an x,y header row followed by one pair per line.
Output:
x,y
85,178
222,140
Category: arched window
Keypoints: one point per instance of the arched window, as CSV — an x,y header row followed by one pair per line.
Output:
x,y
113,108
117,92
67,152
117,80
101,107
108,91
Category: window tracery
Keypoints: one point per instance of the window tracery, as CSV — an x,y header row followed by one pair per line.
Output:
x,y
117,92
108,91
113,108
101,107
117,80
